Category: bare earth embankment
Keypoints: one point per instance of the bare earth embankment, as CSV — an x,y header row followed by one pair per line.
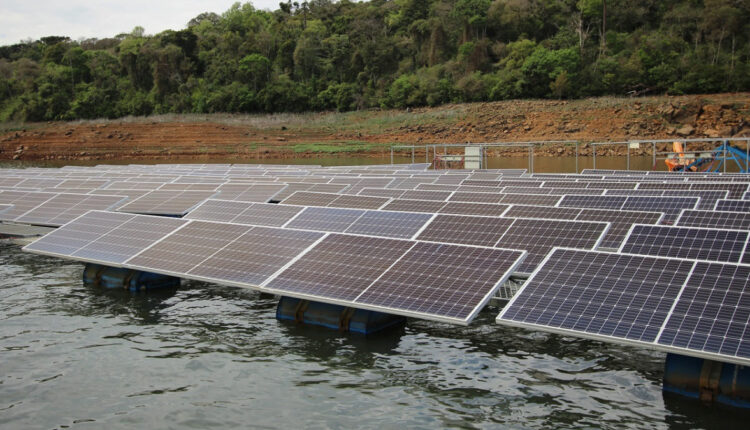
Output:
x,y
223,136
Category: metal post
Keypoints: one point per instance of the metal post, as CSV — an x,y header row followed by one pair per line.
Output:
x,y
725,156
391,155
593,152
426,154
412,154
628,157
576,157
653,154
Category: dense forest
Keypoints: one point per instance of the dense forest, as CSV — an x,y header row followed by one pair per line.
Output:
x,y
325,55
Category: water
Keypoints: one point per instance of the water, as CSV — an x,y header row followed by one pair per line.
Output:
x,y
208,356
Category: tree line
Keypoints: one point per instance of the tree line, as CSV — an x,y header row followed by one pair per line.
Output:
x,y
344,55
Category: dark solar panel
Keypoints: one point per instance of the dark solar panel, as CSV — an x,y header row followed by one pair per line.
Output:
x,y
303,198
620,223
187,247
381,192
539,236
444,281
219,210
166,202
250,192
255,256
340,267
358,202
712,313
686,242
267,214
425,206
475,197
733,205
325,219
463,208
671,206
592,202
714,219
426,195
524,199
603,295
542,212
402,225
483,231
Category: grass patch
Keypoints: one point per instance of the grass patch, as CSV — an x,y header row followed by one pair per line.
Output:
x,y
336,147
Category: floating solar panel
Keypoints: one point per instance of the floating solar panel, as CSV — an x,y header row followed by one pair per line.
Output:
x,y
190,187
166,202
263,214
437,187
671,206
540,236
64,208
475,197
185,248
104,237
22,201
483,209
340,267
444,282
254,256
527,190
132,185
358,202
481,183
426,195
746,196
733,205
612,297
620,223
403,205
403,225
712,313
325,219
482,231
542,212
592,202
305,198
221,210
736,190
714,219
381,192
686,242
4,208
533,200
261,193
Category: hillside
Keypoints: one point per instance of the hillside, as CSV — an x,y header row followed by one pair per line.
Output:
x,y
206,137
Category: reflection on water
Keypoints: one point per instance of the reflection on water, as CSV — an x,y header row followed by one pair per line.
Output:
x,y
209,356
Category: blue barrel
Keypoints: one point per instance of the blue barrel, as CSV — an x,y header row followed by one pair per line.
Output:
x,y
707,380
336,317
133,280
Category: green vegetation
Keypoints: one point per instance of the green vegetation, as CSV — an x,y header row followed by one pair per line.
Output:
x,y
346,56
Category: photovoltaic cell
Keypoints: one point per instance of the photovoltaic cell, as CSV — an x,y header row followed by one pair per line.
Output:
x,y
464,208
450,281
482,231
714,219
605,295
733,205
539,236
255,256
401,225
186,248
712,313
340,267
686,242
325,219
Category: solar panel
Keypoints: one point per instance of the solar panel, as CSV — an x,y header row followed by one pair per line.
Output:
x,y
358,202
426,195
474,197
184,249
733,205
613,297
65,241
483,209
437,187
620,223
306,198
715,219
264,214
340,267
254,256
482,231
64,208
712,313
381,192
535,200
166,202
220,210
442,281
671,206
527,190
541,212
539,236
592,202
746,196
22,201
250,192
190,187
4,208
425,206
686,242
325,219
403,225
